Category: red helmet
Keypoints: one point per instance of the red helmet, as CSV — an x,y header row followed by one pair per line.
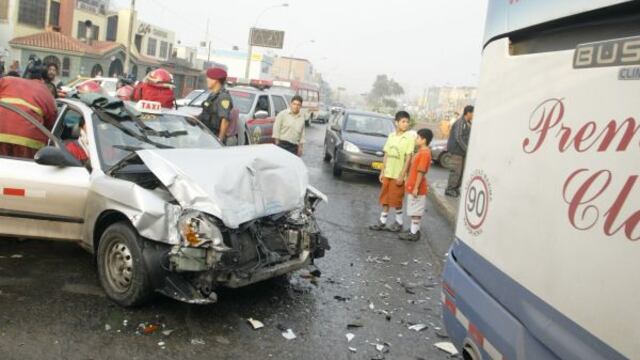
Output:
x,y
125,93
160,77
90,86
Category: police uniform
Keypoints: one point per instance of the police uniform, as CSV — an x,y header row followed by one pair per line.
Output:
x,y
218,106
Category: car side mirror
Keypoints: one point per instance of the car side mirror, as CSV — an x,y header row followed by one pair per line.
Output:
x,y
261,114
53,156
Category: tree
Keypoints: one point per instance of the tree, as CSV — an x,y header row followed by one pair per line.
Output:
x,y
382,90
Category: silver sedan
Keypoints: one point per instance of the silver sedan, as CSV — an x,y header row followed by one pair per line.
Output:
x,y
161,204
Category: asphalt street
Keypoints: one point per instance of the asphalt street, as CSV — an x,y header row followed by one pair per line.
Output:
x,y
373,286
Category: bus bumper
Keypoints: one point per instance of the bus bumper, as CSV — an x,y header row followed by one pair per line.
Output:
x,y
477,323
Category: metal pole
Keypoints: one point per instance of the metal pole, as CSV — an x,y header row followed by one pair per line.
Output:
x,y
248,68
209,41
128,53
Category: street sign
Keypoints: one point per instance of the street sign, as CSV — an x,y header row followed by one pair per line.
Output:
x,y
266,38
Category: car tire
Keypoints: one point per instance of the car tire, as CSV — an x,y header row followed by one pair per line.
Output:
x,y
445,160
121,268
337,169
327,156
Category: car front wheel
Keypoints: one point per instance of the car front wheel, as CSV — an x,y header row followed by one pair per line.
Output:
x,y
337,169
121,268
445,160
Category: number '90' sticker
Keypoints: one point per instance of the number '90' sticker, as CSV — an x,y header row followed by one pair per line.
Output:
x,y
478,195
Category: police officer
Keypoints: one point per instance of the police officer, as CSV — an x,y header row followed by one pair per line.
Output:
x,y
216,110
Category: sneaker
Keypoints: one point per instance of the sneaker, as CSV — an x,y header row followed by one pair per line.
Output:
x,y
409,236
395,227
452,193
380,226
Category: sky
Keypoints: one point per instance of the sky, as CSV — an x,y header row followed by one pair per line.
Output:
x,y
419,43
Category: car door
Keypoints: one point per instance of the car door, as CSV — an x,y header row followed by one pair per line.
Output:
x,y
39,200
260,130
334,133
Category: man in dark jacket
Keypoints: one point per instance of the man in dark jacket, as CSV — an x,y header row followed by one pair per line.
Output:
x,y
457,147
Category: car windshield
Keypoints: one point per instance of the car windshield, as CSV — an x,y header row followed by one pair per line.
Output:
x,y
369,125
116,138
194,94
108,86
243,101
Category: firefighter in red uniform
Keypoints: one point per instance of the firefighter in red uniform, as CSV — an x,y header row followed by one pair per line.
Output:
x,y
157,86
18,137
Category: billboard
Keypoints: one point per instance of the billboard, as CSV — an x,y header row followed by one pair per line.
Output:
x,y
266,38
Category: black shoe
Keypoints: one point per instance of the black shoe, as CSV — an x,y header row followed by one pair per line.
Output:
x,y
409,236
452,193
380,226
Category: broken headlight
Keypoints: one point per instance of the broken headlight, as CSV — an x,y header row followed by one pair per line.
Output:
x,y
198,229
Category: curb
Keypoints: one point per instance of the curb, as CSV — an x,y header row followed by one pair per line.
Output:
x,y
443,204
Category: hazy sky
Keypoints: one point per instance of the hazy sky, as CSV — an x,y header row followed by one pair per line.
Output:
x,y
417,42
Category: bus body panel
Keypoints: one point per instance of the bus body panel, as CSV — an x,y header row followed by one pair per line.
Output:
x,y
559,212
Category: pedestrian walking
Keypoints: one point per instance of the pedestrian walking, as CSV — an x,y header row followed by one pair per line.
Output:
x,y
288,129
18,137
417,188
457,147
216,109
397,154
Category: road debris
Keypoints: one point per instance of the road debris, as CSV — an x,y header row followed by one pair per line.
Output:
x,y
350,337
341,298
16,256
371,306
222,340
289,335
256,324
125,322
383,348
352,349
107,327
147,329
354,325
161,344
442,335
167,332
446,347
418,327
197,341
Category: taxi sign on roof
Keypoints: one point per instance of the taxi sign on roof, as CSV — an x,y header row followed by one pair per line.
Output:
x,y
150,107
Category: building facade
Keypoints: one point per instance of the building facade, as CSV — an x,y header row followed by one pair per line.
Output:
x,y
236,61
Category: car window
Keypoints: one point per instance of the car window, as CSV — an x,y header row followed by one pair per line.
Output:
x,y
279,104
340,120
369,125
200,99
19,138
243,101
68,127
263,104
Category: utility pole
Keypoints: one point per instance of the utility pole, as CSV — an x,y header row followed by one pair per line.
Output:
x,y
127,58
247,70
209,48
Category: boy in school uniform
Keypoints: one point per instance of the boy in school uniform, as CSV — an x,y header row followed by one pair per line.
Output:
x,y
416,187
397,154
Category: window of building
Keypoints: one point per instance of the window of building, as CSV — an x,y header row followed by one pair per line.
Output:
x,y
54,14
4,10
66,67
171,54
95,34
163,49
32,12
151,46
112,28
82,31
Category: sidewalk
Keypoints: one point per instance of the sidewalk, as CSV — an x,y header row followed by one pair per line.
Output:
x,y
447,206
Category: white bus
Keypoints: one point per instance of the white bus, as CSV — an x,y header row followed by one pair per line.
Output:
x,y
546,260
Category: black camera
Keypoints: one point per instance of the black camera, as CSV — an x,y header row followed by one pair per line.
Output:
x,y
35,70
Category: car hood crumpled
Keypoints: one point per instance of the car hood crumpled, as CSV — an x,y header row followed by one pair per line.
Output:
x,y
235,184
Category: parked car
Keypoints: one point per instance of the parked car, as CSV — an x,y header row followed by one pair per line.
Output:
x,y
439,153
162,206
190,96
354,141
323,114
257,110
